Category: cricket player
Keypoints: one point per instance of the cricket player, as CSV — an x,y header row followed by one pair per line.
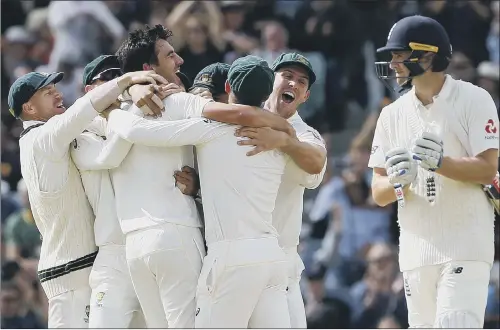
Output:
x,y
243,280
439,141
211,82
294,77
60,208
164,245
113,302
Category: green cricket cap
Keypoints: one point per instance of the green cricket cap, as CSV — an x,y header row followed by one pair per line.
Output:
x,y
213,77
26,86
98,65
251,79
288,59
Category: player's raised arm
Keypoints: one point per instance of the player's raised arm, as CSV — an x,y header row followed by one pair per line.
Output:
x,y
175,133
245,115
58,132
236,114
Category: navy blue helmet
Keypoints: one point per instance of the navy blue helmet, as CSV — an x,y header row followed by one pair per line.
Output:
x,y
418,35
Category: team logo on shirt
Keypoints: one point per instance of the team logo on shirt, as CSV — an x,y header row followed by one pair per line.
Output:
x,y
99,297
490,127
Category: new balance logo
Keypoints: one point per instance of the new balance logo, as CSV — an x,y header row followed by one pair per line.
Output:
x,y
457,270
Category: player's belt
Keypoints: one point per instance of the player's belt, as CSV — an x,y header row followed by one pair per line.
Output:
x,y
74,265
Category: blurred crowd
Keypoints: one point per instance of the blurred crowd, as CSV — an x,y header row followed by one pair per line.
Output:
x,y
349,245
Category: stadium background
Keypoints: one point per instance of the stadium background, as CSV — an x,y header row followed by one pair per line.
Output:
x,y
349,245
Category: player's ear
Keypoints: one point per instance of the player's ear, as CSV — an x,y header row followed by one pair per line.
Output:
x,y
147,67
28,108
227,88
88,88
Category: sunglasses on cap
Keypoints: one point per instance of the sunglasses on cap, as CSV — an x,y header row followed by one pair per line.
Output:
x,y
107,75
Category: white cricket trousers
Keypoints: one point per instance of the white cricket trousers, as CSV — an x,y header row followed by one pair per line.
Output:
x,y
296,307
243,285
450,295
69,309
113,302
165,264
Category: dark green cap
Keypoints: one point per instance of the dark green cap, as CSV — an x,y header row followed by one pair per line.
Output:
x,y
98,65
251,79
26,86
287,59
213,77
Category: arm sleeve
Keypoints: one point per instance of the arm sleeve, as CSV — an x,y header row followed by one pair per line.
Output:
x,y
310,181
156,133
93,153
58,132
380,144
482,123
184,106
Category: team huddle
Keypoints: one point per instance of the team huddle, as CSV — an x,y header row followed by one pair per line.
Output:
x,y
169,204
114,190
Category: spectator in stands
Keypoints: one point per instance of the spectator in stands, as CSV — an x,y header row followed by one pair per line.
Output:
x,y
356,222
11,169
9,206
373,297
488,76
197,35
21,234
461,67
240,38
493,42
27,312
274,42
80,27
13,315
37,25
17,43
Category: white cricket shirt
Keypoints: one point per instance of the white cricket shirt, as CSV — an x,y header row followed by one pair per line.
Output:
x,y
459,226
60,208
287,215
93,154
239,192
144,184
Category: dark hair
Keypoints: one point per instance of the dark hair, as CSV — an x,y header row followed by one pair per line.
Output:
x,y
139,48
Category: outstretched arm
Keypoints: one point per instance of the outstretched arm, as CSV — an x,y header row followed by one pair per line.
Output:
x,y
138,130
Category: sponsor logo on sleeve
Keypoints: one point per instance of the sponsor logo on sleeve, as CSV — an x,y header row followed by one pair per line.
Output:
x,y
491,130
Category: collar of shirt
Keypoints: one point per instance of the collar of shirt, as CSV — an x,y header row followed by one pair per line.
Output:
x,y
443,94
295,117
29,123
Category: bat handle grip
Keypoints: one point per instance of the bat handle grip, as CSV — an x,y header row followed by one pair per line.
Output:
x,y
400,195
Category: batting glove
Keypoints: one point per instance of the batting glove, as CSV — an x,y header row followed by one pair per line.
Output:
x,y
428,151
400,167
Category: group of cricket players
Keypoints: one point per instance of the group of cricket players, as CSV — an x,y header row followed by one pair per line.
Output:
x,y
169,204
